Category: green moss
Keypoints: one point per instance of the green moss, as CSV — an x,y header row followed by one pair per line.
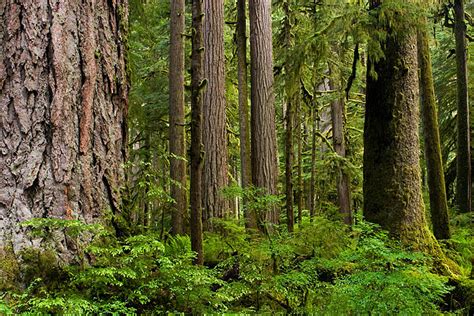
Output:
x,y
9,270
37,263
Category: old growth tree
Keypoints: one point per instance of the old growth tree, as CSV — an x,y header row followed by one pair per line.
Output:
x,y
63,105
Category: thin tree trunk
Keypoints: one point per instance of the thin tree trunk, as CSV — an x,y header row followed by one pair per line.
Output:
x,y
463,176
215,175
392,182
289,119
263,126
434,162
244,121
299,167
338,138
197,85
63,107
313,163
289,165
177,119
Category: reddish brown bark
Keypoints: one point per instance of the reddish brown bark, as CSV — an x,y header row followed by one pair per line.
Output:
x,y
263,127
63,105
215,177
177,119
244,115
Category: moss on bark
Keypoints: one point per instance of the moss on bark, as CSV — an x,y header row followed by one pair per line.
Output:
x,y
434,162
392,177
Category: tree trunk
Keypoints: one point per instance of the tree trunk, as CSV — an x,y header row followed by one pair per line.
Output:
x,y
299,167
215,177
177,119
263,126
312,189
63,107
245,161
289,119
338,139
289,165
197,85
463,176
434,162
392,183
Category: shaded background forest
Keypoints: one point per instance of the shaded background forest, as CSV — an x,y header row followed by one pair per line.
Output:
x,y
322,35
316,264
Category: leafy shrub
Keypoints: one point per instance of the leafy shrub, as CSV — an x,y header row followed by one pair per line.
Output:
x,y
323,267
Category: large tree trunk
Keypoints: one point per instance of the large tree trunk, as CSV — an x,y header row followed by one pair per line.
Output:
x,y
214,125
463,175
392,182
176,114
339,143
244,121
434,162
63,105
197,85
263,127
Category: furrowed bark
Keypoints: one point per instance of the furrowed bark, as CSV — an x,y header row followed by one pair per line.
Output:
x,y
63,105
392,180
215,174
263,126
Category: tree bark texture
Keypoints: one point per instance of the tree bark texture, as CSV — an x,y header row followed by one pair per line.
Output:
x,y
463,160
392,182
289,157
215,177
63,104
197,85
263,127
434,161
289,120
244,115
339,143
299,164
312,187
176,116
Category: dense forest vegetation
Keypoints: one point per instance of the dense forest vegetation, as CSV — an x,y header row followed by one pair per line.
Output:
x,y
233,156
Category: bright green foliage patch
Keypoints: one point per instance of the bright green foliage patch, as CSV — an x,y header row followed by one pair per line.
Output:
x,y
322,268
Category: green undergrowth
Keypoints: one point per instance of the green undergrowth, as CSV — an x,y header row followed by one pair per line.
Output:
x,y
322,268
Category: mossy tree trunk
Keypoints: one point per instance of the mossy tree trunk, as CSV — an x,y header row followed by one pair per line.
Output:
x,y
299,162
434,162
463,160
392,181
312,190
339,143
